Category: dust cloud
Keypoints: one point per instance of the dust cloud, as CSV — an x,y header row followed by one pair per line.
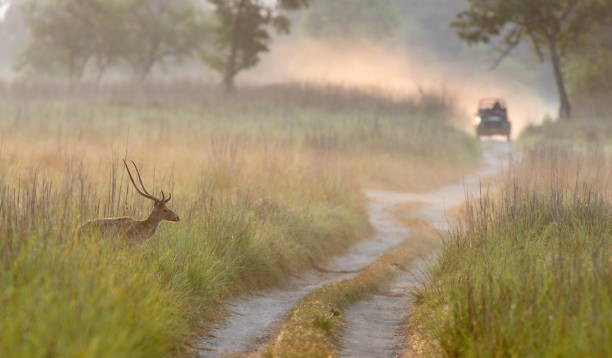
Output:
x,y
400,72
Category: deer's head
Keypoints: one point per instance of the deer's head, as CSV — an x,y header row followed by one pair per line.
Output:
x,y
160,210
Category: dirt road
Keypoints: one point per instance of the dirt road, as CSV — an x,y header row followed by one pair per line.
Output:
x,y
256,319
373,325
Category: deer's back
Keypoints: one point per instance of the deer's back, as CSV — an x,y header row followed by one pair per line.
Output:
x,y
108,227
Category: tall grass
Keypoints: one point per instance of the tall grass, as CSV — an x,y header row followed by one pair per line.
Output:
x,y
262,183
241,230
528,272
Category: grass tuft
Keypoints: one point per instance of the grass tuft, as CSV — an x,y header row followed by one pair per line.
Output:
x,y
527,273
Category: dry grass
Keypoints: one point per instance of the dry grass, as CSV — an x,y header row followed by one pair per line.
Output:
x,y
263,182
527,273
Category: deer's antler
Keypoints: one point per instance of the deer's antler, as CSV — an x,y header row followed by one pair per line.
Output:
x,y
143,190
164,199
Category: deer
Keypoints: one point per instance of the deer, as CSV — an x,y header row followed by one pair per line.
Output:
x,y
127,228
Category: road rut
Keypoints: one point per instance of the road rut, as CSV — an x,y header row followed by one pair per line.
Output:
x,y
374,327
255,319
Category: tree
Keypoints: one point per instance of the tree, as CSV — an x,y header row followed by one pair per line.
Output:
x,y
590,65
241,33
552,26
68,36
59,42
107,20
353,19
159,30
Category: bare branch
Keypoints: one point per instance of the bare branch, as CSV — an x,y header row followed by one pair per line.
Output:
x,y
536,46
567,12
512,40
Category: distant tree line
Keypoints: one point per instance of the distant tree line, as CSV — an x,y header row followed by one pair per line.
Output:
x,y
78,38
70,37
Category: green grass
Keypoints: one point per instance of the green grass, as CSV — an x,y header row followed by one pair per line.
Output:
x,y
528,272
263,182
67,298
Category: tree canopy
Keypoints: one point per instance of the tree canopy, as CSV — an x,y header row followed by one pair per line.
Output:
x,y
590,66
67,36
242,32
70,37
551,26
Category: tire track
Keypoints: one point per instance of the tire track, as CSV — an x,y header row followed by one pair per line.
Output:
x,y
256,319
374,327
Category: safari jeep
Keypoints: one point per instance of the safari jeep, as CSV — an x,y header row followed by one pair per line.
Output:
x,y
492,118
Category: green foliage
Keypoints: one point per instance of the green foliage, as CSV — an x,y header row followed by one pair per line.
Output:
x,y
353,19
241,33
158,30
68,35
590,74
60,36
537,21
552,26
590,68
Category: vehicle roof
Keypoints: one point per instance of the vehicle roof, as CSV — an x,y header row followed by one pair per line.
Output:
x,y
490,102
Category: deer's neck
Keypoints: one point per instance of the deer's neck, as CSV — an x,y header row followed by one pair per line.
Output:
x,y
150,224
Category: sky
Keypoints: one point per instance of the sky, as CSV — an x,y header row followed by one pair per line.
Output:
x,y
5,5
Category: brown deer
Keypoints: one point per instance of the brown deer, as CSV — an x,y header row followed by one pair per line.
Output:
x,y
127,228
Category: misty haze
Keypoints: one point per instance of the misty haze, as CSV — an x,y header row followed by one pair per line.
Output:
x,y
305,178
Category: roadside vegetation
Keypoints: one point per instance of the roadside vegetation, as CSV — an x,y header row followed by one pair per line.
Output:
x,y
264,182
527,272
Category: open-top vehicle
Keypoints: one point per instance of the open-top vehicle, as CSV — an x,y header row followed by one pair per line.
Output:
x,y
492,118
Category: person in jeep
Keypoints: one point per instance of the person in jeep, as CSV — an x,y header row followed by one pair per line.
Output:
x,y
492,119
497,107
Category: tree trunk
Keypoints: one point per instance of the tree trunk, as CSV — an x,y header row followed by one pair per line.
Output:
x,y
144,73
102,66
145,70
228,81
230,70
565,107
71,66
230,66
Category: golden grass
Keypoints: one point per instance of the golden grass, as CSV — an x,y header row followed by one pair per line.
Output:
x,y
527,271
264,183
